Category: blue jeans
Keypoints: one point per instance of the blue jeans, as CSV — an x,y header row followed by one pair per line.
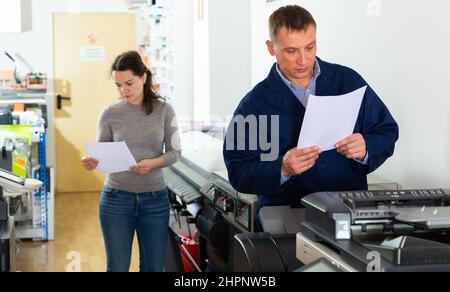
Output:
x,y
121,215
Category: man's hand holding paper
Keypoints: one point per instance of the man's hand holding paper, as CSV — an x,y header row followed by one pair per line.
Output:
x,y
353,147
298,161
329,123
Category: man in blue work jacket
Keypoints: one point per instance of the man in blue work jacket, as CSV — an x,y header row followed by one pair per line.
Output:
x,y
274,110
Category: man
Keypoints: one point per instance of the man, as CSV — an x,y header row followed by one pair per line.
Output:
x,y
297,74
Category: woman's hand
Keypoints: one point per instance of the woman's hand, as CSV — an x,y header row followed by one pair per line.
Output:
x,y
89,163
143,167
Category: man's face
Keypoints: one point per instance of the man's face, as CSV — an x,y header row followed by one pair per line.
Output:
x,y
296,53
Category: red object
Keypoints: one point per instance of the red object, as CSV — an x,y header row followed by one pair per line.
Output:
x,y
193,249
201,9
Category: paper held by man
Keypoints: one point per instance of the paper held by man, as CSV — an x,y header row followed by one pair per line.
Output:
x,y
329,119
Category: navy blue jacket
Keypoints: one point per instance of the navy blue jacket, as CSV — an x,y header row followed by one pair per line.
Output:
x,y
332,172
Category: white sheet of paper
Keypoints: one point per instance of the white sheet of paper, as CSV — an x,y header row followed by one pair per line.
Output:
x,y
329,119
113,157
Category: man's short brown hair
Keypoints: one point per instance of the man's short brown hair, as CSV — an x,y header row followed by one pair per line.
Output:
x,y
293,17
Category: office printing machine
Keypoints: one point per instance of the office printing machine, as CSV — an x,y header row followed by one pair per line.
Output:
x,y
224,217
10,186
384,231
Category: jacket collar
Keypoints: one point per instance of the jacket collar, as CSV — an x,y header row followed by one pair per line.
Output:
x,y
285,97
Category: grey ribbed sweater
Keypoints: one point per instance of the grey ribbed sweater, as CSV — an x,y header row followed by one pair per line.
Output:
x,y
146,136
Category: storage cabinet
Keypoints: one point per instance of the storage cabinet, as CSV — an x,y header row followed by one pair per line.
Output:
x,y
15,16
33,212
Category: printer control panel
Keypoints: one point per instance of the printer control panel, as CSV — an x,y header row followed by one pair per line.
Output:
x,y
234,209
223,202
356,199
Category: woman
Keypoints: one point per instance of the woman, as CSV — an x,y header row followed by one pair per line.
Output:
x,y
137,200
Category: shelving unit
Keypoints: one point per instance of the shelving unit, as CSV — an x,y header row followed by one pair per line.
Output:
x,y
35,215
159,17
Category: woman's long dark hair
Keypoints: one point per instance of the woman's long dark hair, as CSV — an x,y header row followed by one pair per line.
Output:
x,y
133,61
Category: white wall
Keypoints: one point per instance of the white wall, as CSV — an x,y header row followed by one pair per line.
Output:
x,y
230,55
402,48
221,64
201,74
15,16
36,46
261,61
183,58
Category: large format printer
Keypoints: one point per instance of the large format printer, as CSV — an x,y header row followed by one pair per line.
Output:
x,y
376,230
381,231
7,237
10,186
223,217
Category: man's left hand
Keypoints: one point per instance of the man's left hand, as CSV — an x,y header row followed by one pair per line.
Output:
x,y
143,167
353,147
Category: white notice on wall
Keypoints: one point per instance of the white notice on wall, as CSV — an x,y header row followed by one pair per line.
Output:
x,y
92,53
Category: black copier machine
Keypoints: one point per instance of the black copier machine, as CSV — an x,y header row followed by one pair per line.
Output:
x,y
380,231
224,217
